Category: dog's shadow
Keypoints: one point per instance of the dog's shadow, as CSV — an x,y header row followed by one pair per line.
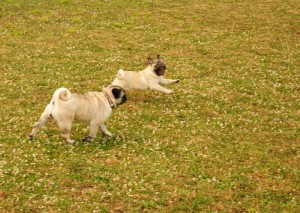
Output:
x,y
140,96
149,97
102,142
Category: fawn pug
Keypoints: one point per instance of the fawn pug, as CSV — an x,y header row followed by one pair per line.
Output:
x,y
93,108
152,77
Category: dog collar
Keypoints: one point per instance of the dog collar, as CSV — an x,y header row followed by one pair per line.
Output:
x,y
111,103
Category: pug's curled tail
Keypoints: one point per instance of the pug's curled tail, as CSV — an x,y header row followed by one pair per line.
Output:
x,y
62,93
121,74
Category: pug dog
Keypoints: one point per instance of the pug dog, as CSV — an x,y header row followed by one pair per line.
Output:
x,y
152,77
93,108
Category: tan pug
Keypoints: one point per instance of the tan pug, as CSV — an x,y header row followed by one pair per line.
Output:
x,y
93,108
152,77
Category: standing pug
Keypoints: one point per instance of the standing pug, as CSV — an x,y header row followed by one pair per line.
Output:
x,y
93,108
152,77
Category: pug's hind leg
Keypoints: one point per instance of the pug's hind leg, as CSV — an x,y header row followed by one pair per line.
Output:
x,y
42,121
104,130
65,128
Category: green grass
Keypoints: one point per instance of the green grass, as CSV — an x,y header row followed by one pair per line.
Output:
x,y
226,140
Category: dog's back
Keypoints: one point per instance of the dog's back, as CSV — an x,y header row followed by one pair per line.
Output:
x,y
130,80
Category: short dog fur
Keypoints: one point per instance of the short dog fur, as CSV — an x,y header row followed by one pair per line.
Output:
x,y
152,77
93,108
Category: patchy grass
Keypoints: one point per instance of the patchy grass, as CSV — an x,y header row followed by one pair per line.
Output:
x,y
227,139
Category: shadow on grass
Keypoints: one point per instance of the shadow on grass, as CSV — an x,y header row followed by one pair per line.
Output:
x,y
102,142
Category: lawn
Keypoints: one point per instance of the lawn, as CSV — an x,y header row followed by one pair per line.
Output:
x,y
226,140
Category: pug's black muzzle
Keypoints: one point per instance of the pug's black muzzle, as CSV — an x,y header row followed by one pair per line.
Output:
x,y
160,70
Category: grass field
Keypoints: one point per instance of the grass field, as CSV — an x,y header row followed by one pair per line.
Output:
x,y
226,140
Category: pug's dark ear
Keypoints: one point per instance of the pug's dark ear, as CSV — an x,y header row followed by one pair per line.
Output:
x,y
116,93
150,61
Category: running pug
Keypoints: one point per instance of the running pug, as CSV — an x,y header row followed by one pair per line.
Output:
x,y
152,77
93,108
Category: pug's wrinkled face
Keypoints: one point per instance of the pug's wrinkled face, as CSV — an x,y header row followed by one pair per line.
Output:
x,y
119,94
159,67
